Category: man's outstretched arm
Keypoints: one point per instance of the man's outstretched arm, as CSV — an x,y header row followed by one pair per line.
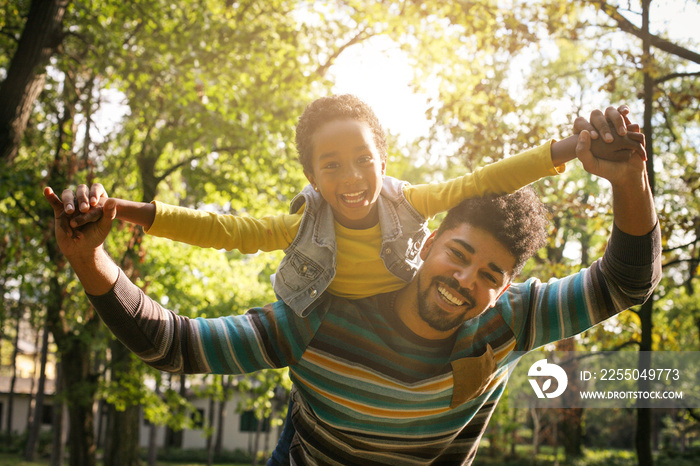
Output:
x,y
164,339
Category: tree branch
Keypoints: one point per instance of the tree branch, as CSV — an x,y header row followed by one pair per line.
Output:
x,y
695,241
678,261
176,167
359,37
661,44
668,77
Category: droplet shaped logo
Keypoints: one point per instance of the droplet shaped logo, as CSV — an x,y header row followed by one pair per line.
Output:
x,y
541,369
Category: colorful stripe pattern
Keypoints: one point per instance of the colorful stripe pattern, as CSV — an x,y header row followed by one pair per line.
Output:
x,y
369,391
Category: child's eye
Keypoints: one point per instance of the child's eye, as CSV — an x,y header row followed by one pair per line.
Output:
x,y
331,165
365,159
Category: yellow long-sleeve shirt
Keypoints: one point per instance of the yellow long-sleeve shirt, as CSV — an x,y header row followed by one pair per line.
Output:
x,y
360,271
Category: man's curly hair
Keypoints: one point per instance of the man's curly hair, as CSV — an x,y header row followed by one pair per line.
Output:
x,y
518,221
335,107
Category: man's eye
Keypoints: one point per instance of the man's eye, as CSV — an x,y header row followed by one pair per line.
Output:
x,y
458,254
490,278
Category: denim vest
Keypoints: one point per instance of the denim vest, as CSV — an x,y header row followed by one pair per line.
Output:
x,y
309,264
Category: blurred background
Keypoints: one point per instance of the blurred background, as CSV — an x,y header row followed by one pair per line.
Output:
x,y
194,103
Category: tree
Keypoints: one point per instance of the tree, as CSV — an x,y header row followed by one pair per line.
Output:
x,y
40,39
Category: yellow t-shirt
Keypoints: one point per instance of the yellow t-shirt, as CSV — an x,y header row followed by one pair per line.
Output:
x,y
360,272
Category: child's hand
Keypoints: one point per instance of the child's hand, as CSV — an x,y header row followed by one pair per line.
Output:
x,y
615,146
90,204
75,242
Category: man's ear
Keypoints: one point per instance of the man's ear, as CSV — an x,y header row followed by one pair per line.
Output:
x,y
500,294
427,245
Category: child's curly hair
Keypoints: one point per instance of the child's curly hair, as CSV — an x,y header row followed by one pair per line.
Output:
x,y
335,107
518,221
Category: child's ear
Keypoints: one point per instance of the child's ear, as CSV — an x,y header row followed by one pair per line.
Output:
x,y
425,250
384,167
310,177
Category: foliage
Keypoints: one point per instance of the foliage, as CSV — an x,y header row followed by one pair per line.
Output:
x,y
194,104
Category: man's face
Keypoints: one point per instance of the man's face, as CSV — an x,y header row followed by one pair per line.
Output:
x,y
465,270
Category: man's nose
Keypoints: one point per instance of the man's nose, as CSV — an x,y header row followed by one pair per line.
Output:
x,y
466,277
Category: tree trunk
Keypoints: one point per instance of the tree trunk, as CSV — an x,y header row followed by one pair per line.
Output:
x,y
571,419
256,443
58,444
81,387
32,395
210,433
121,449
153,436
13,380
33,437
535,431
643,435
226,386
40,38
174,438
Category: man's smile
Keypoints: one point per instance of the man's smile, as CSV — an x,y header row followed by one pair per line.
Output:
x,y
449,297
449,292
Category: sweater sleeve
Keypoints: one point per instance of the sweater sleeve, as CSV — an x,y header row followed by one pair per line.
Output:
x,y
625,276
210,230
505,176
268,337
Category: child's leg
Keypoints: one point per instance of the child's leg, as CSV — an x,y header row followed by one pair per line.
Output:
x,y
280,456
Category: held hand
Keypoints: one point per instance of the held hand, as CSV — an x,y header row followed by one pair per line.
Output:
x,y
618,145
73,241
619,173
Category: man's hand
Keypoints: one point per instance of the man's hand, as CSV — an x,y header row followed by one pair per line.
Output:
x,y
633,203
84,241
615,146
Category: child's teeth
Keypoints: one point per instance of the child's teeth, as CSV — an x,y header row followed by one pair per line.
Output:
x,y
353,198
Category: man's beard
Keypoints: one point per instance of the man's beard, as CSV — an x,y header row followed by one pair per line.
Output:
x,y
437,318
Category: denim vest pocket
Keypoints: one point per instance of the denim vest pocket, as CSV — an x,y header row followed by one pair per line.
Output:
x,y
298,271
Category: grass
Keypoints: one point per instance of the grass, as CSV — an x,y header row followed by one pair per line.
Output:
x,y
12,459
546,457
15,459
599,457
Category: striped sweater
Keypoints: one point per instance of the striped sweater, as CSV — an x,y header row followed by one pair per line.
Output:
x,y
368,390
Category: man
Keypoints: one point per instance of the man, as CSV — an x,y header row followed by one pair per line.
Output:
x,y
411,376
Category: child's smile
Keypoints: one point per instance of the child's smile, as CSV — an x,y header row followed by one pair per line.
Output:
x,y
348,171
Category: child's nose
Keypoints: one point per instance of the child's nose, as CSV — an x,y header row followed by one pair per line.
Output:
x,y
352,174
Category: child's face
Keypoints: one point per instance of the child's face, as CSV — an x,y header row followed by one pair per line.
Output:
x,y
348,171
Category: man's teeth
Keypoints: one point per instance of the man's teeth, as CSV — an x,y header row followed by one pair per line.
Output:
x,y
449,297
354,198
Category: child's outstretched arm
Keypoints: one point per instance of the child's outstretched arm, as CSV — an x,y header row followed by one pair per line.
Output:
x,y
512,173
195,227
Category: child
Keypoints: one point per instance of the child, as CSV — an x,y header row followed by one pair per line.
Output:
x,y
353,231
